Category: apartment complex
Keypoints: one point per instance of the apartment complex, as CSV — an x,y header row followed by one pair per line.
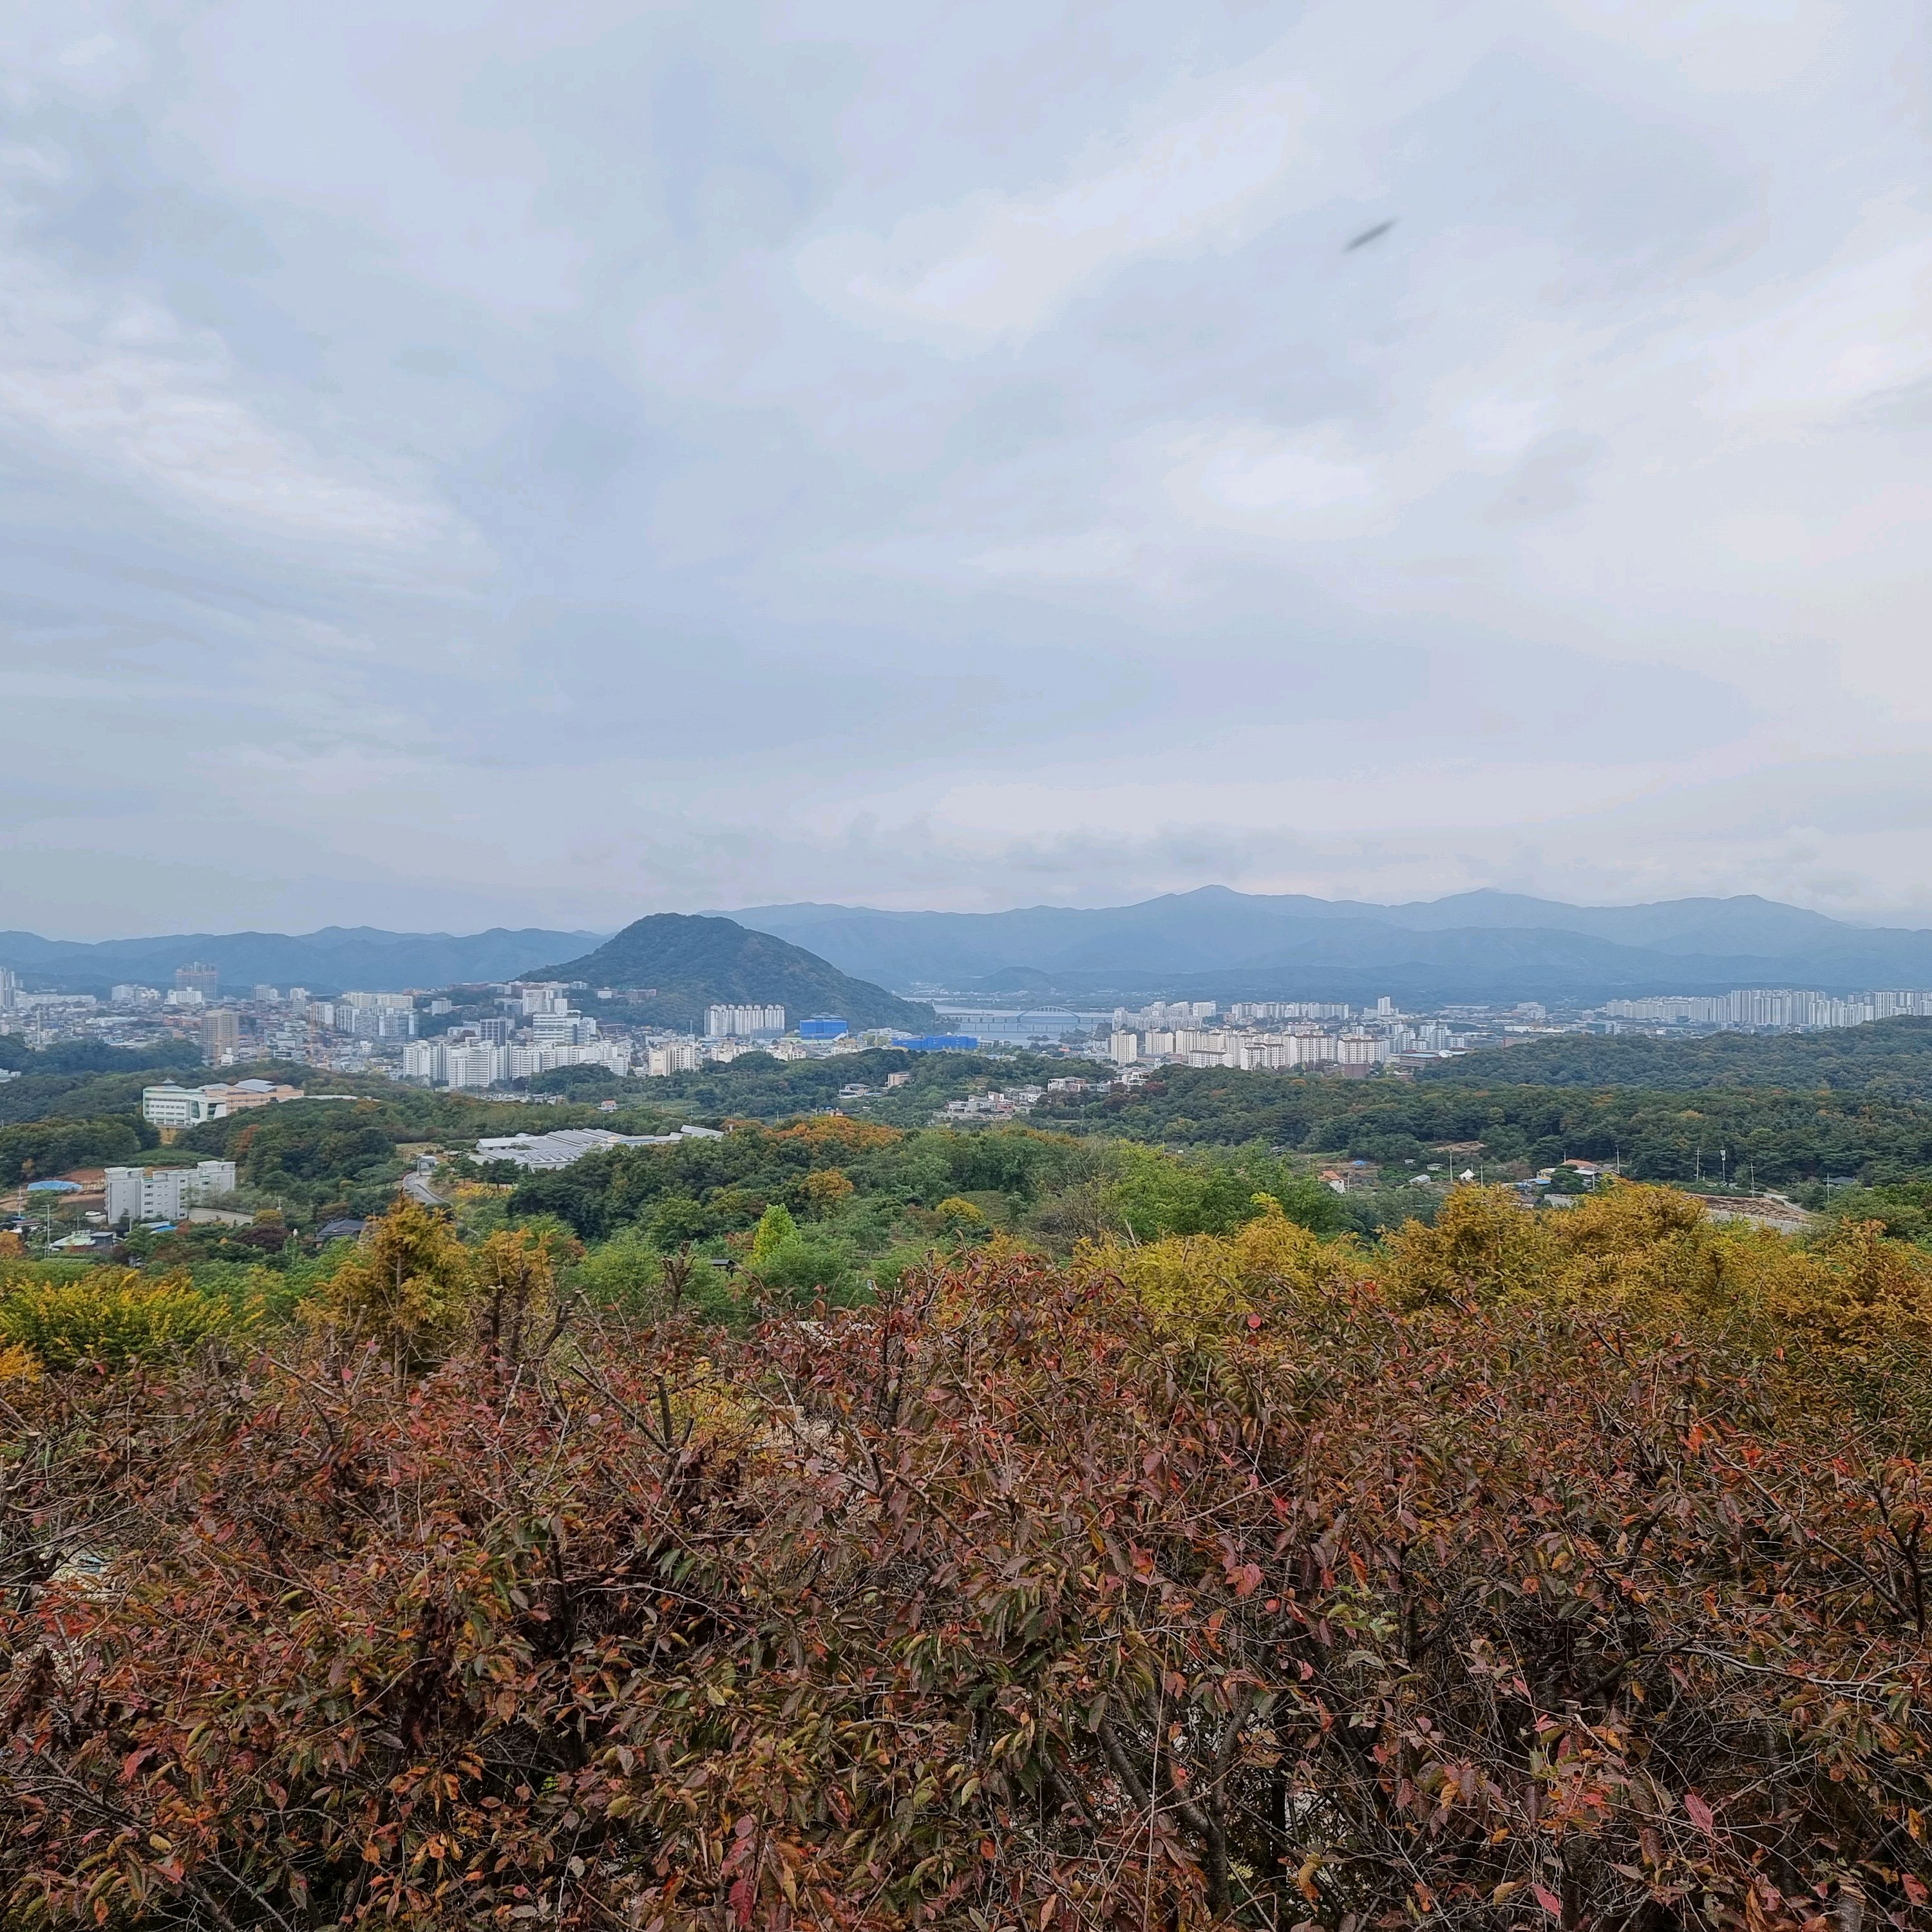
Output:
x,y
725,1022
1755,1006
477,1062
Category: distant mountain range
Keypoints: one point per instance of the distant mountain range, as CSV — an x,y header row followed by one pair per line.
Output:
x,y
1478,946
1214,944
339,958
689,962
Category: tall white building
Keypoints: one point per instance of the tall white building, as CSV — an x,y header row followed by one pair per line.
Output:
x,y
164,1193
562,1029
474,1066
9,985
376,1015
427,1059
729,1022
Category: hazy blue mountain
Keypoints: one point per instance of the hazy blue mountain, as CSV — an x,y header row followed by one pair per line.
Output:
x,y
1481,946
1473,946
336,959
690,961
1744,924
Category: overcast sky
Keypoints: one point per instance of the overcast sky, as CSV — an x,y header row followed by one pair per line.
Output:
x,y
466,464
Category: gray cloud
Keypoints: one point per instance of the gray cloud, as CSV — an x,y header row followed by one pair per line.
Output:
x,y
486,465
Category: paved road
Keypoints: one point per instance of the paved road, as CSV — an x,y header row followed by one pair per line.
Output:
x,y
418,1188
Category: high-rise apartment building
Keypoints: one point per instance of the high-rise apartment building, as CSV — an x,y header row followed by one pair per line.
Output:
x,y
474,1066
198,976
220,1034
564,1029
733,1022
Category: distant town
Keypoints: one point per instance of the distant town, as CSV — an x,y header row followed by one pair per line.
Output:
x,y
498,1037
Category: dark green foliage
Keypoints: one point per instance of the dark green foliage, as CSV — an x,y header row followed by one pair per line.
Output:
x,y
91,1056
1773,1137
1904,1212
310,1153
1888,1059
82,1079
701,1190
40,1149
692,961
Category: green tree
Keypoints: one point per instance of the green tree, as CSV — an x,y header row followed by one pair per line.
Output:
x,y
777,1230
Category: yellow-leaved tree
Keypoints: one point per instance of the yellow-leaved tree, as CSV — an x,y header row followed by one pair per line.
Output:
x,y
109,1317
517,1311
409,1290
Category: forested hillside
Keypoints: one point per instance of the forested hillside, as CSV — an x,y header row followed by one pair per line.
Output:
x,y
676,965
1776,1139
1889,1060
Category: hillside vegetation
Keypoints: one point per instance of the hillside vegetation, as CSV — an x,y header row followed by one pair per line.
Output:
x,y
1888,1060
1770,1137
691,962
1527,1570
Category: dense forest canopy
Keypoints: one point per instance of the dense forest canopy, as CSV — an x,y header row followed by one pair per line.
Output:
x,y
1886,1060
1780,1138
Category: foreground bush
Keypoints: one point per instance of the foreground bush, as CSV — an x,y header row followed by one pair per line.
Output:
x,y
1017,1600
109,1317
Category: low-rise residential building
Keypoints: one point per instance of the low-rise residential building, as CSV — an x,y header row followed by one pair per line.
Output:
x,y
997,1106
165,1193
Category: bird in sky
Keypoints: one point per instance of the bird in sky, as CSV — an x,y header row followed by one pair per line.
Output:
x,y
1368,235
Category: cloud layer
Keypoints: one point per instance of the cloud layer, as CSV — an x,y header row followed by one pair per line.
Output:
x,y
501,465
